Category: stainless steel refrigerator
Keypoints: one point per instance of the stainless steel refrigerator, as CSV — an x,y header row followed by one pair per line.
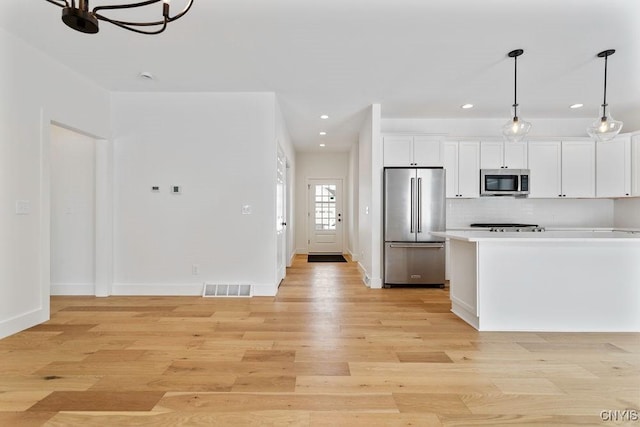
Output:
x,y
414,207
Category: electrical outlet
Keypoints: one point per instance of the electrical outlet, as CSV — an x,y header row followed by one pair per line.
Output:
x,y
195,269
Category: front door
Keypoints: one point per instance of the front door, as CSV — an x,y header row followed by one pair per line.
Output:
x,y
325,217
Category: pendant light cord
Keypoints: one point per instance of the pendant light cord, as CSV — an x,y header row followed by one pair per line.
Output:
x,y
604,102
515,88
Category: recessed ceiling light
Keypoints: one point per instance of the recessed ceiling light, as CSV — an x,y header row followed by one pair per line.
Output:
x,y
467,106
323,133
323,145
324,117
145,75
574,106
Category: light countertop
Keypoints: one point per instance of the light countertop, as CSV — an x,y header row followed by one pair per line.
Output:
x,y
546,236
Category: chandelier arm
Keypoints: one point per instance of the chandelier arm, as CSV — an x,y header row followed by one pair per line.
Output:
x,y
140,4
179,15
128,24
57,3
125,6
128,27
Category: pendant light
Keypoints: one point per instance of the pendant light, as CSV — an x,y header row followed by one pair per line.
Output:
x,y
515,129
605,128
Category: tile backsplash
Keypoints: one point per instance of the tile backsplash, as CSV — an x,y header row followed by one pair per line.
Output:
x,y
544,212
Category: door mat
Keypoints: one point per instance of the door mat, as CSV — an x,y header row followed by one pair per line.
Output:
x,y
325,258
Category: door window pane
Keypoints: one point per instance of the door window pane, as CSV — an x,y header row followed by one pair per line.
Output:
x,y
325,207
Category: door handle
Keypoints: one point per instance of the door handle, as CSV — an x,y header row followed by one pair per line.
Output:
x,y
419,222
419,246
413,185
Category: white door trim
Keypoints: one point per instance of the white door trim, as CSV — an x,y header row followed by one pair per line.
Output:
x,y
343,207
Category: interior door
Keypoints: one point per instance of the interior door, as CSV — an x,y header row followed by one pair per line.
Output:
x,y
281,214
325,219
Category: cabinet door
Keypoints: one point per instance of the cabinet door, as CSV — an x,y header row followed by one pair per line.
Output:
x,y
515,155
578,169
469,169
491,155
545,162
451,167
398,150
427,151
613,168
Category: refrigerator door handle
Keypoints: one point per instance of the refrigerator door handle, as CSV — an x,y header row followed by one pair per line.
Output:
x,y
418,245
419,222
413,184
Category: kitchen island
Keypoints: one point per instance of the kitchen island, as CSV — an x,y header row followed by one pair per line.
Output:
x,y
563,281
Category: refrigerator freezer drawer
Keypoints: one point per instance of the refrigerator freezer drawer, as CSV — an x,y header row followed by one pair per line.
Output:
x,y
414,263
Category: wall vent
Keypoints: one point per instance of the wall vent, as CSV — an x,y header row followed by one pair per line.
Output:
x,y
227,290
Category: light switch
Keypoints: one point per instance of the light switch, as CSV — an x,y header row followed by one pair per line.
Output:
x,y
23,207
246,209
176,189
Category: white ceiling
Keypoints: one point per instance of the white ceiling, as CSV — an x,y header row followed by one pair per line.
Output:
x,y
417,58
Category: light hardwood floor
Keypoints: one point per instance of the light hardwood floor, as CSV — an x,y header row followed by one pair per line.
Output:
x,y
326,351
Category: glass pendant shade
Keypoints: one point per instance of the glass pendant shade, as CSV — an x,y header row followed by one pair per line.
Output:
x,y
605,128
515,129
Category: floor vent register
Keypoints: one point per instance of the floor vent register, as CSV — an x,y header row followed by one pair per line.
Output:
x,y
227,290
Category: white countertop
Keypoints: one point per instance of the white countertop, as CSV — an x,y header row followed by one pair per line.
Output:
x,y
545,236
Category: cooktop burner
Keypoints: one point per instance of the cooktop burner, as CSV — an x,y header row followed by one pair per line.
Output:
x,y
501,227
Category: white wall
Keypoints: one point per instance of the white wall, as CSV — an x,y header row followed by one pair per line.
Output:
x,y
73,180
34,90
221,148
627,213
317,165
370,198
544,212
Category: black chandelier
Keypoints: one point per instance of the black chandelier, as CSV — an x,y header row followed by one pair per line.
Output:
x,y
82,19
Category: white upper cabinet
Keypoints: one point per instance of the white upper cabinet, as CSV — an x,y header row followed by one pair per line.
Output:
x,y
579,168
545,163
462,163
502,155
613,168
413,150
562,169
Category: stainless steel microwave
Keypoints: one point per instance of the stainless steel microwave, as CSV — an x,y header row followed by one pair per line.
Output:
x,y
504,182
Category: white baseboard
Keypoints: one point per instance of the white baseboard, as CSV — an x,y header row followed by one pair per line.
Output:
x,y
73,289
291,258
23,321
376,283
186,289
354,257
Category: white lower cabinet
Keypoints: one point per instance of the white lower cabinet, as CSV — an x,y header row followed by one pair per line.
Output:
x,y
462,163
562,169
